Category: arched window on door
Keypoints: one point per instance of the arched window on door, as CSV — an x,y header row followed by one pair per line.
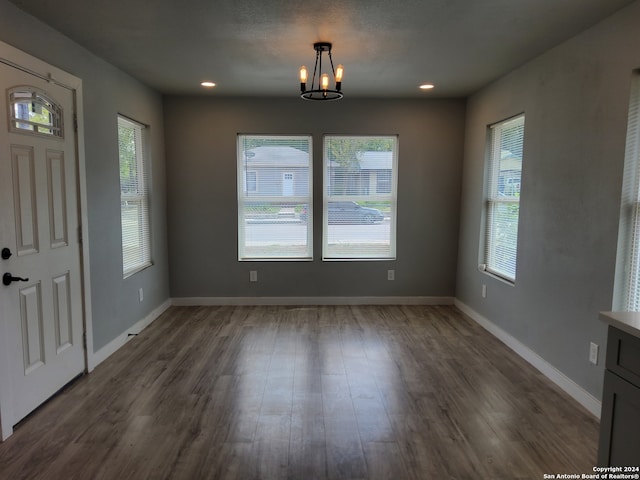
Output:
x,y
32,111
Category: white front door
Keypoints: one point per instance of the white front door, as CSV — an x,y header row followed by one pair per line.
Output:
x,y
41,313
287,184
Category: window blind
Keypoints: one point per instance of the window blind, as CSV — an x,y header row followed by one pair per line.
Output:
x,y
274,197
503,197
630,215
134,197
360,196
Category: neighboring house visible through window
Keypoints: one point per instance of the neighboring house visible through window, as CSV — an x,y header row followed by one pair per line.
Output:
x,y
274,197
252,182
504,157
134,197
628,267
359,201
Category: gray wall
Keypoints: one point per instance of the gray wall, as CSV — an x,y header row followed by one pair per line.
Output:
x,y
575,98
107,92
200,137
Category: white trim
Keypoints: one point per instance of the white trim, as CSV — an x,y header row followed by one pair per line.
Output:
x,y
20,60
84,232
212,301
39,68
6,387
118,342
584,398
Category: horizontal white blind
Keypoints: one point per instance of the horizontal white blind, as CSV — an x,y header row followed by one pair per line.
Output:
x,y
630,216
503,200
134,197
359,201
274,197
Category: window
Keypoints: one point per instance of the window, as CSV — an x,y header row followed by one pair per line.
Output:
x,y
630,209
134,197
505,145
359,201
274,197
32,111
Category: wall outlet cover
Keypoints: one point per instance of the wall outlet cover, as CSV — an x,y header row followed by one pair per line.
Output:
x,y
593,353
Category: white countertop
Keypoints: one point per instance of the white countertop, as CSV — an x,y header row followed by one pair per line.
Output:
x,y
626,321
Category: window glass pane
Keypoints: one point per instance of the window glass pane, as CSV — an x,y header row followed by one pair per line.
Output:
x,y
274,197
632,293
503,207
503,238
359,197
134,231
628,278
130,151
134,196
32,111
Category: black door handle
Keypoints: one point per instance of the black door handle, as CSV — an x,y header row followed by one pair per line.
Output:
x,y
7,278
6,253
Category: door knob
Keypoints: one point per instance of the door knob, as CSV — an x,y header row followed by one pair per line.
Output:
x,y
7,278
6,253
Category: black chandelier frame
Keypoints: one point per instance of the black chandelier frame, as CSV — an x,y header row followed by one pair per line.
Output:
x,y
316,92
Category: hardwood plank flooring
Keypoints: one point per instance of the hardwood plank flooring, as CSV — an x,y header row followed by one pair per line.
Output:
x,y
327,392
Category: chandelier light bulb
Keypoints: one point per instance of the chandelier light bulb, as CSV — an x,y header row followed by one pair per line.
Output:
x,y
324,81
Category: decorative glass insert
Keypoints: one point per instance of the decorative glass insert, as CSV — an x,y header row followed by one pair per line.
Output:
x,y
34,112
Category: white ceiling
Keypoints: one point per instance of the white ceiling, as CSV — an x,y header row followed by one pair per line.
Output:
x,y
255,47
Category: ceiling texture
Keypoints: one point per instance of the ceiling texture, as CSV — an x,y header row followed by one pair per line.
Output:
x,y
256,47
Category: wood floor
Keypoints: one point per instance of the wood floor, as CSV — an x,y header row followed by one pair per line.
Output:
x,y
362,392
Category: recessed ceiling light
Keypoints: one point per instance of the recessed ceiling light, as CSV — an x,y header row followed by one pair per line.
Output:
x,y
208,84
426,86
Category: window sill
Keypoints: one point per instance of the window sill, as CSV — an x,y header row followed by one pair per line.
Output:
x,y
497,276
132,272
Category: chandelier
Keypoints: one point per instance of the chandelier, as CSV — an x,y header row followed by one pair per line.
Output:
x,y
320,81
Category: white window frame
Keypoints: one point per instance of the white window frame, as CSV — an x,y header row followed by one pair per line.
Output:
x,y
496,199
627,286
140,244
391,197
246,198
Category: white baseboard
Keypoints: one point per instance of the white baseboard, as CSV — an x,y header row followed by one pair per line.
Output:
x,y
117,343
584,398
239,301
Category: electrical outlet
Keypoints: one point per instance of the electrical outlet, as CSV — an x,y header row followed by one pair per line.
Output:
x,y
140,295
593,353
484,291
253,276
391,274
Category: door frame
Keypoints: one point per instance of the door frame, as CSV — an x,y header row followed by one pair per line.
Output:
x,y
20,60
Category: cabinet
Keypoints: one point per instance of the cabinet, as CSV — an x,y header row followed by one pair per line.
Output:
x,y
620,419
